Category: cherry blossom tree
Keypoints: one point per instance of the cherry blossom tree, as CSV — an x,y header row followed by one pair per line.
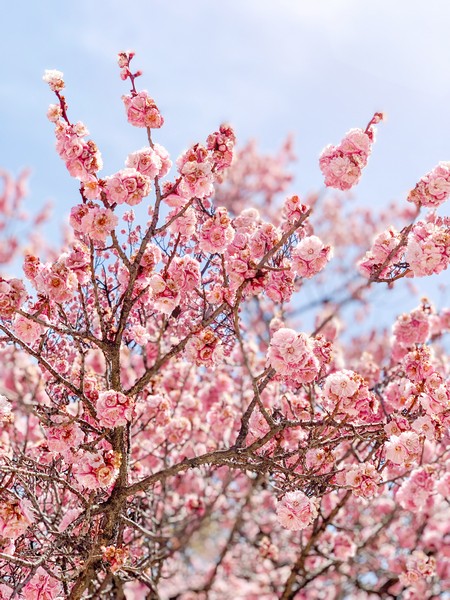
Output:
x,y
168,429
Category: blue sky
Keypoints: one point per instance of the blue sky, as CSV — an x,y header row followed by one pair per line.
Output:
x,y
313,68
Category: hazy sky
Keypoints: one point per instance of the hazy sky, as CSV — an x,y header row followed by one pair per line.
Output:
x,y
314,68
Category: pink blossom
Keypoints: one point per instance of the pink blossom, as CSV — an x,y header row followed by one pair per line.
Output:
x,y
310,256
443,485
96,470
165,293
98,223
347,394
152,162
403,449
115,557
343,546
151,257
54,113
185,272
142,110
413,328
425,426
5,410
216,232
364,479
184,225
319,460
417,364
292,355
433,188
27,330
56,280
296,511
15,517
342,165
64,437
55,79
375,261
91,188
128,185
293,209
415,492
177,430
418,566
205,348
42,587
280,284
12,296
196,173
82,157
158,407
428,248
221,144
114,409
78,261
436,401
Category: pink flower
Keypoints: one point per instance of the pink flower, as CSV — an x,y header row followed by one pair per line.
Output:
x,y
42,587
415,492
296,511
342,165
165,293
152,162
151,257
55,79
418,566
82,157
310,256
293,209
205,348
114,409
98,223
142,110
280,285
96,470
196,173
404,448
292,355
27,330
185,272
364,480
428,248
221,144
413,328
5,410
177,430
433,188
384,244
12,296
91,188
56,280
64,438
346,393
15,517
128,185
217,232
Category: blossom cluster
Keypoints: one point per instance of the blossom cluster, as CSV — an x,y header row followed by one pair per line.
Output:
x,y
342,165
82,158
310,256
296,356
296,511
433,188
428,250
